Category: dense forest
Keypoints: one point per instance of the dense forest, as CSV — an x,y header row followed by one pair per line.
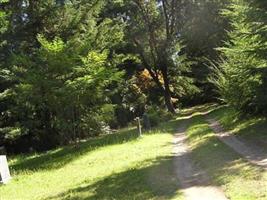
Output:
x,y
73,69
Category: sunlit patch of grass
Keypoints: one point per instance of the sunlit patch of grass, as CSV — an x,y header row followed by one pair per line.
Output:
x,y
239,179
118,166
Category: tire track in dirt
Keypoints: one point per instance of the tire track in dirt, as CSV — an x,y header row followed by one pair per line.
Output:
x,y
193,180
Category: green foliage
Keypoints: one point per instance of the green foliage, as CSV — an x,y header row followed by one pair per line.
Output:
x,y
59,75
202,29
3,20
241,77
157,115
153,32
130,102
66,91
182,84
73,69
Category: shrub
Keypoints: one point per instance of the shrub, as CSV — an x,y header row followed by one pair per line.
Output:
x,y
157,115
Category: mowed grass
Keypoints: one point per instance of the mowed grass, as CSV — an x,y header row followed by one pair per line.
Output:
x,y
238,179
118,166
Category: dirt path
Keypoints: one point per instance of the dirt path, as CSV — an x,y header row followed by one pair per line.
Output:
x,y
253,154
194,182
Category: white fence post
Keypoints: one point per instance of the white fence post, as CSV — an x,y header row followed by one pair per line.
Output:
x,y
4,170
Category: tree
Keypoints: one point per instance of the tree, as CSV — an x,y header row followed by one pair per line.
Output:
x,y
203,29
61,67
153,28
241,77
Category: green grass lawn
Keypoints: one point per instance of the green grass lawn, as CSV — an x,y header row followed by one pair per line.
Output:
x,y
118,166
239,179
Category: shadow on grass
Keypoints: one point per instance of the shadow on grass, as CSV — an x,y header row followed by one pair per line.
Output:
x,y
58,158
252,129
220,161
156,180
255,132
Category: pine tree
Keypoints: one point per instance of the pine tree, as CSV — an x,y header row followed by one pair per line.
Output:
x,y
242,78
61,58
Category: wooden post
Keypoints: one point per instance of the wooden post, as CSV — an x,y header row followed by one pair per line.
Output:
x,y
139,128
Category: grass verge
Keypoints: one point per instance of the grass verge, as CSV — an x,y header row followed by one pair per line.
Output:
x,y
119,166
251,129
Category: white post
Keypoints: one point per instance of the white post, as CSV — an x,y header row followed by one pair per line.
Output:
x,y
139,126
4,170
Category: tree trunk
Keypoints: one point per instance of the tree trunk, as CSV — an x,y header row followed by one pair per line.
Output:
x,y
167,91
168,101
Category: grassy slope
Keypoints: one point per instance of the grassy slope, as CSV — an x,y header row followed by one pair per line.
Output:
x,y
119,166
252,129
239,179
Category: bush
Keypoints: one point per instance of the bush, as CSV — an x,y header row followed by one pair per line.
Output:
x,y
241,75
157,115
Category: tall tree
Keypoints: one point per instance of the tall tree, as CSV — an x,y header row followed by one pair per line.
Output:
x,y
203,29
153,28
196,23
241,78
61,57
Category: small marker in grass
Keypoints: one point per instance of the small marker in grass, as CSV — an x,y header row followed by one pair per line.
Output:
x,y
4,170
139,128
